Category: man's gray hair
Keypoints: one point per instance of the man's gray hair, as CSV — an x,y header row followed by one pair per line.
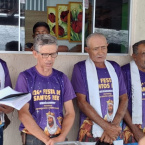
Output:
x,y
44,39
92,35
136,45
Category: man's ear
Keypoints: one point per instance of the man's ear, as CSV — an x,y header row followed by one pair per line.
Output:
x,y
86,48
35,54
134,56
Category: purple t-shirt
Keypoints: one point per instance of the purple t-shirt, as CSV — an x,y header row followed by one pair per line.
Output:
x,y
48,96
7,80
7,76
105,90
128,136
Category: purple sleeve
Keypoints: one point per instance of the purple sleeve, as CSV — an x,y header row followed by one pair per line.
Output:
x,y
127,79
21,84
7,76
122,87
69,93
77,81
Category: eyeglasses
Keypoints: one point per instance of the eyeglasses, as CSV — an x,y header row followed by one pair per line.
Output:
x,y
46,55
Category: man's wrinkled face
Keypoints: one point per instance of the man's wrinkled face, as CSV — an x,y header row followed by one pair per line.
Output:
x,y
97,49
139,58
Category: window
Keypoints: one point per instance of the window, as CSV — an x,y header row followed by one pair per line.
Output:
x,y
12,25
53,9
110,17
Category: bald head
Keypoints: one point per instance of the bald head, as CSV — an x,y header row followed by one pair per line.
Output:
x,y
95,36
97,48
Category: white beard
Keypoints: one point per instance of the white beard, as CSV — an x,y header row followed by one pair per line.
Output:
x,y
109,117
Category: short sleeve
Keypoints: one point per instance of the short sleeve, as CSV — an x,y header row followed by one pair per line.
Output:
x,y
122,86
77,81
7,76
69,93
21,84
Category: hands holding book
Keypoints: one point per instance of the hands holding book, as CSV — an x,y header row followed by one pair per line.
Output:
x,y
6,109
10,98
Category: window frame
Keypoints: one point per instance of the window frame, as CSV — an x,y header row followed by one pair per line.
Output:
x,y
83,34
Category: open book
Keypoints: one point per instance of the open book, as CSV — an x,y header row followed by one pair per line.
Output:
x,y
12,98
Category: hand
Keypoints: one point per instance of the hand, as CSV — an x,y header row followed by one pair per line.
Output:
x,y
138,134
142,141
59,138
6,109
113,131
51,141
105,137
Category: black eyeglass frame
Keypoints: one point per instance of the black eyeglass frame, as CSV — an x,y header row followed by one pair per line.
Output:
x,y
46,55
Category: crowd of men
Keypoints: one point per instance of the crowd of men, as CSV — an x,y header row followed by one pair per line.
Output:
x,y
111,98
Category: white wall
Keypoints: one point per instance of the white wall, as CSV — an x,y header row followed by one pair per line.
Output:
x,y
20,62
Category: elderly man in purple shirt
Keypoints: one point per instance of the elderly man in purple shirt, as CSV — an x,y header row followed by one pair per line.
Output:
x,y
134,74
101,93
